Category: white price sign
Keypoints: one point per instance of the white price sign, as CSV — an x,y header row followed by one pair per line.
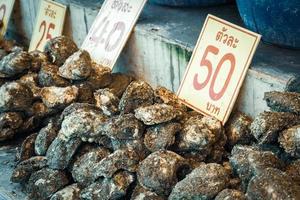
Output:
x,y
49,24
111,29
6,7
217,68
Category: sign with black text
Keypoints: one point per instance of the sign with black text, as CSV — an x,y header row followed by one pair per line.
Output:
x,y
111,29
217,68
49,24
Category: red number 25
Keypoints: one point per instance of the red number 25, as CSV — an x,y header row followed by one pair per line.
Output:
x,y
206,63
48,35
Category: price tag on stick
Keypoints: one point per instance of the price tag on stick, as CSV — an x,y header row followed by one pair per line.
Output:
x,y
217,68
6,7
111,29
49,24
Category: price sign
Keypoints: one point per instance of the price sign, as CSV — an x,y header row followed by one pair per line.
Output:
x,y
49,24
6,7
217,68
111,30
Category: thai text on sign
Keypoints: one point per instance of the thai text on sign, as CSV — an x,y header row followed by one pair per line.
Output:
x,y
217,68
111,29
49,24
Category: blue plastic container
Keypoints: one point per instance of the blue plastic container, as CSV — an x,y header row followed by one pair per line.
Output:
x,y
277,21
188,3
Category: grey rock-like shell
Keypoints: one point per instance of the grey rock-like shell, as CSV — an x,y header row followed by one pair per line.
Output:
x,y
289,141
125,159
238,129
15,64
10,122
272,184
123,127
199,133
60,152
108,189
107,101
71,192
82,123
45,137
59,49
158,172
203,183
229,194
77,66
156,114
293,170
140,193
247,161
45,182
31,81
267,125
162,136
163,95
119,83
15,96
38,60
283,101
23,170
48,76
85,93
27,148
59,97
137,94
82,168
100,77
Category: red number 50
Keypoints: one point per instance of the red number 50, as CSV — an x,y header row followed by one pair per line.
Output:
x,y
206,63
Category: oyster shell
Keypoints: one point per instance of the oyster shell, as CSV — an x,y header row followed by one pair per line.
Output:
x,y
81,169
162,136
48,76
107,101
204,182
45,182
119,83
71,192
272,184
27,167
156,114
158,172
267,125
137,94
59,97
10,122
283,101
14,64
15,96
59,49
77,66
107,189
60,152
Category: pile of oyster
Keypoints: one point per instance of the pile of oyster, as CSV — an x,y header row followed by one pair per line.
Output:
x,y
93,134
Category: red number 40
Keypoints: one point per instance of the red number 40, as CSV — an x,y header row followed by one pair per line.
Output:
x,y
206,63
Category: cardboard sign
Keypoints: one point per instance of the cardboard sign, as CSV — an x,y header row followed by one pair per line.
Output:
x,y
49,24
111,29
6,7
217,68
